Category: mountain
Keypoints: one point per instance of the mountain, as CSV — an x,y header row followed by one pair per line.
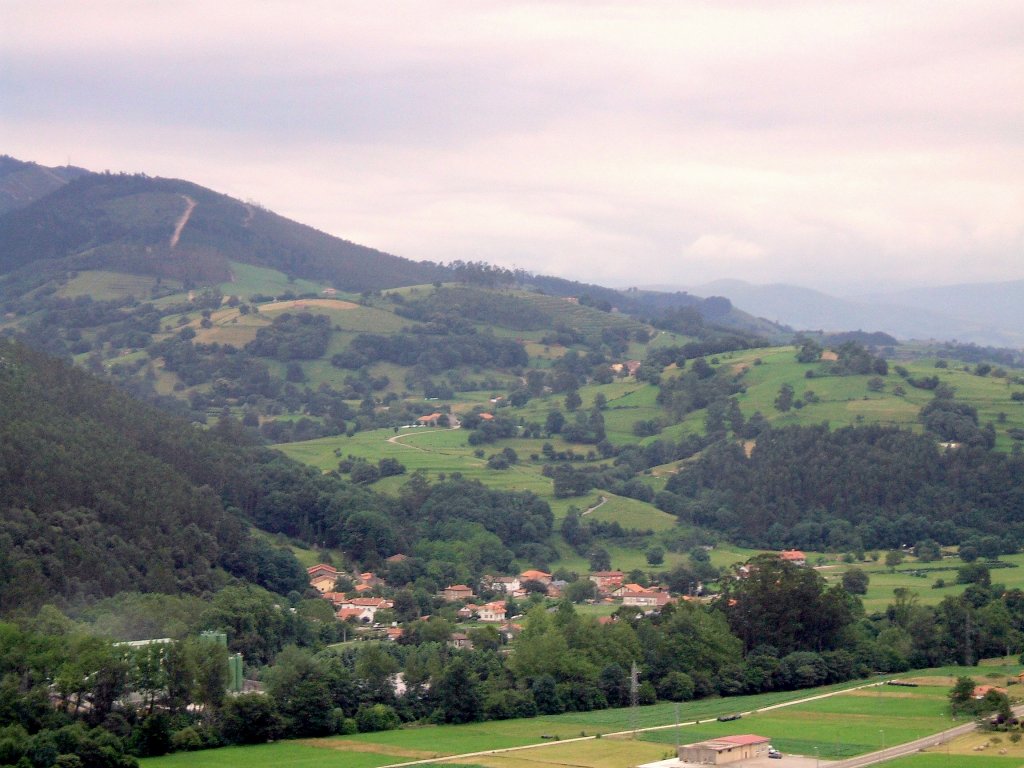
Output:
x,y
59,220
23,183
100,493
175,229
991,314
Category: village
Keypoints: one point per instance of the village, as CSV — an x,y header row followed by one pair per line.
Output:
x,y
368,604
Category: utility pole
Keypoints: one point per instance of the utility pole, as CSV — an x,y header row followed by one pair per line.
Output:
x,y
634,694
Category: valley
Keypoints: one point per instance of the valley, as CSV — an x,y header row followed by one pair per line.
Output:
x,y
414,497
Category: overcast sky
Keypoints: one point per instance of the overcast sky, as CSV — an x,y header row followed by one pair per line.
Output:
x,y
629,143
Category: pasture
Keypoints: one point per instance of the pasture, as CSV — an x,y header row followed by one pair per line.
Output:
x,y
852,722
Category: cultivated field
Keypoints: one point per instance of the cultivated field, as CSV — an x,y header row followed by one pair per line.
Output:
x,y
850,723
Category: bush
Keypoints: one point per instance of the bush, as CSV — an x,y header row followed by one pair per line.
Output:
x,y
378,717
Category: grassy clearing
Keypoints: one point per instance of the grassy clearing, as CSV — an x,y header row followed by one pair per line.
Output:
x,y
883,580
247,280
101,285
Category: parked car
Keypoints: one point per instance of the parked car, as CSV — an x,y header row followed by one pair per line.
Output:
x,y
774,754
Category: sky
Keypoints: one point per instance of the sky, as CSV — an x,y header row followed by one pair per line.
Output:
x,y
829,144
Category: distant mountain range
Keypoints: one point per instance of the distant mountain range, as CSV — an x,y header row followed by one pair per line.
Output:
x,y
982,313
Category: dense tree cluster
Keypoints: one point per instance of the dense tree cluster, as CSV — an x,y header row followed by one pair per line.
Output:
x,y
434,353
851,488
292,337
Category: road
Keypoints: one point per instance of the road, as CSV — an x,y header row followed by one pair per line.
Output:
x,y
900,750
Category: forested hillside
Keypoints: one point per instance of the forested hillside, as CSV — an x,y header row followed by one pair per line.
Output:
x,y
853,489
100,494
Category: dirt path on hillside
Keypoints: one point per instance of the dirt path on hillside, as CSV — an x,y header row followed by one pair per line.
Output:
x,y
190,205
601,501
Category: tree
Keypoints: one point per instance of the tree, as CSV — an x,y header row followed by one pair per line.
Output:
x,y
600,560
457,692
786,606
784,400
572,400
655,555
928,550
855,581
893,558
249,719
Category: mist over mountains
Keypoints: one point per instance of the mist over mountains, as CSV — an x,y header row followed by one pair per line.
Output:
x,y
982,313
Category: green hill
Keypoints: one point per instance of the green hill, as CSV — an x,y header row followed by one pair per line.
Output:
x,y
100,494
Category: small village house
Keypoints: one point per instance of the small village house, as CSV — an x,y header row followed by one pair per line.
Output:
x,y
794,556
535,575
607,581
457,592
494,612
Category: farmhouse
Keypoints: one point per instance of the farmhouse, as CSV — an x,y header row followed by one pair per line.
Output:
x,y
794,556
430,419
725,750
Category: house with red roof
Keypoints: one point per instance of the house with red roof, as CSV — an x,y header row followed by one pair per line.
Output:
x,y
535,575
366,606
794,556
648,599
457,592
607,581
321,569
493,611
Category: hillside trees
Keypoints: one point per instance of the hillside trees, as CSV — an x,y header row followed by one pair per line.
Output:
x,y
812,488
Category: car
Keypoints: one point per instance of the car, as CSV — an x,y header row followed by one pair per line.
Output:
x,y
774,754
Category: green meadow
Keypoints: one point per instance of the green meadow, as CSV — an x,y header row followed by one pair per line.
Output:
x,y
850,723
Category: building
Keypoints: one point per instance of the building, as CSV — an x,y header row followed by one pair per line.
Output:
x,y
431,419
725,750
534,575
507,584
363,608
607,581
460,640
457,592
794,556
980,690
321,569
493,611
648,599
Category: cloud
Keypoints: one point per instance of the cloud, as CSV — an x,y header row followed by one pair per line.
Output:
x,y
776,140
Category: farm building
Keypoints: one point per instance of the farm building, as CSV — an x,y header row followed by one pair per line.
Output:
x,y
725,750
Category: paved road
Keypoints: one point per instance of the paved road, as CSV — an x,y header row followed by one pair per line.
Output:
x,y
891,753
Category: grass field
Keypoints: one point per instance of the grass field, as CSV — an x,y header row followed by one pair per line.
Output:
x,y
853,722
247,279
